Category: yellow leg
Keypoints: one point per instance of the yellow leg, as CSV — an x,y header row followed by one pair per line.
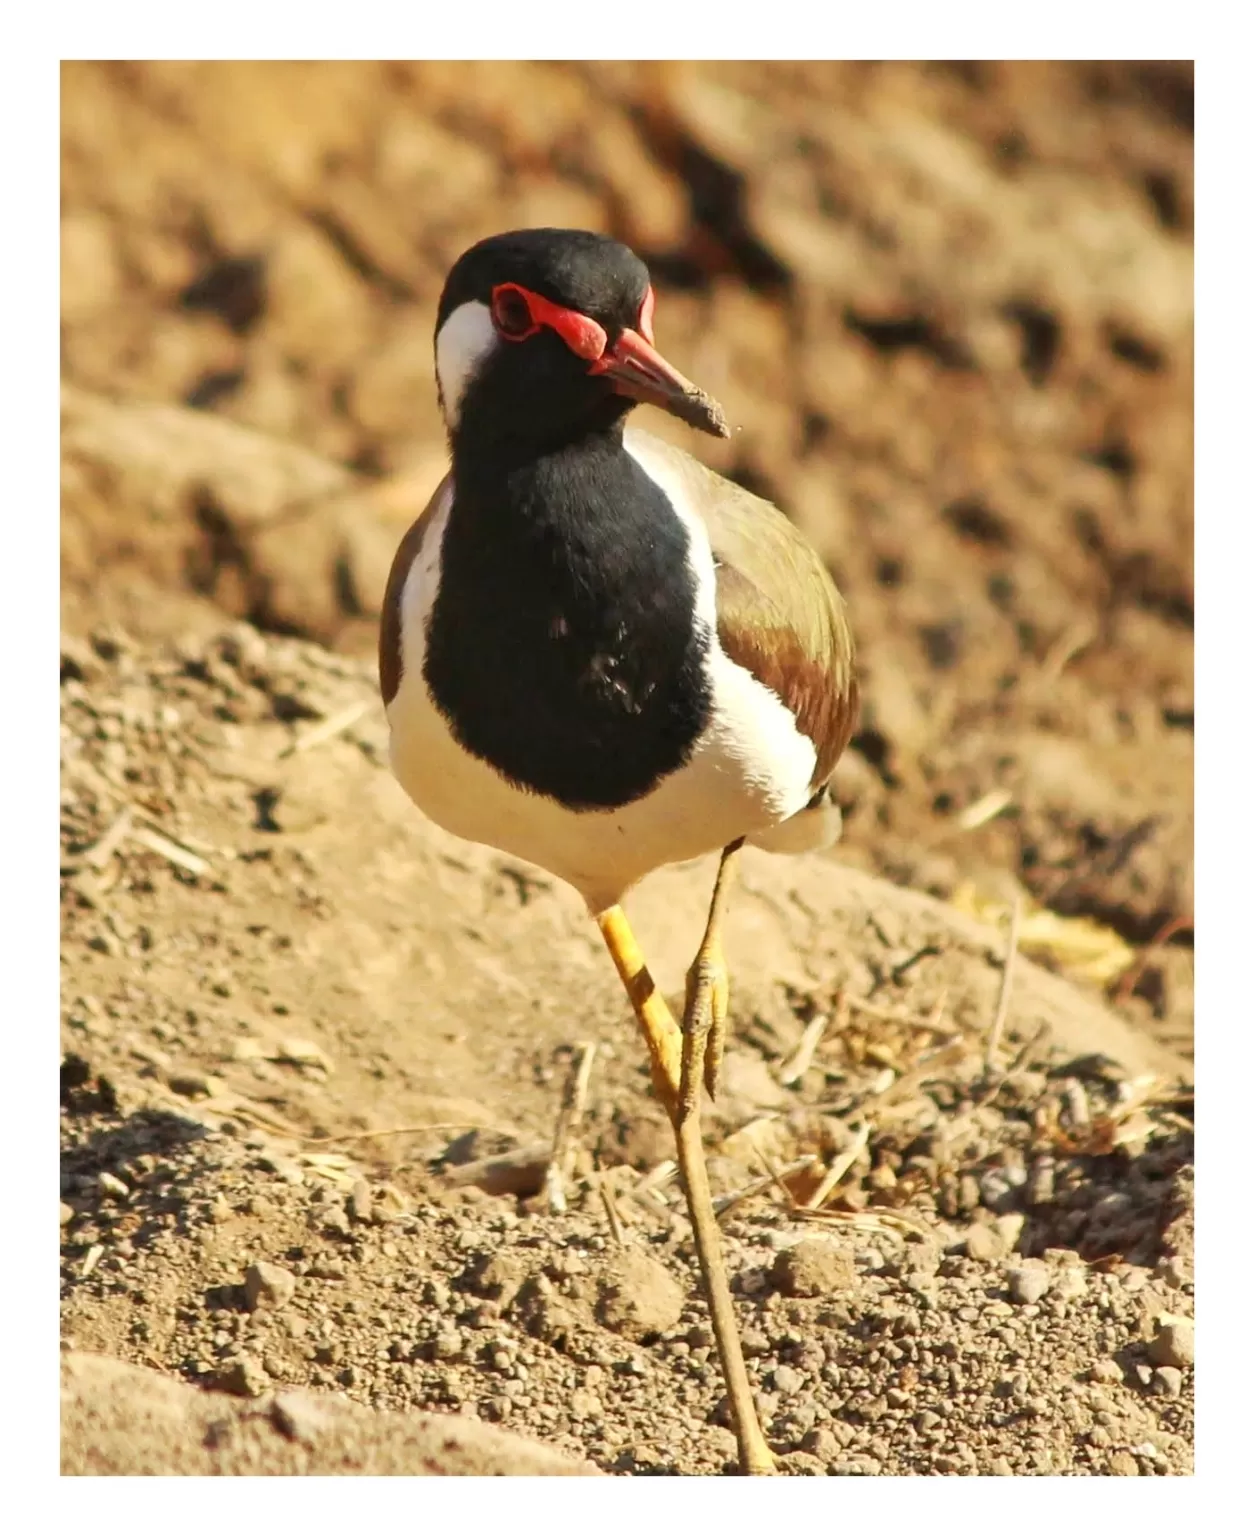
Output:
x,y
656,1024
705,996
666,1045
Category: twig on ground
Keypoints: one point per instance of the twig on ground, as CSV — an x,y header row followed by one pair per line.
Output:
x,y
776,1177
99,853
902,1016
797,1064
984,809
840,1166
396,1130
157,842
520,1173
727,1202
575,1092
1005,989
909,1082
328,729
1124,987
601,1183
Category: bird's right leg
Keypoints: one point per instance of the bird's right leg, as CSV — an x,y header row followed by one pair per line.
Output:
x,y
705,995
665,1041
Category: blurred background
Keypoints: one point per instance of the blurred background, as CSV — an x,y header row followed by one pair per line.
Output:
x,y
948,308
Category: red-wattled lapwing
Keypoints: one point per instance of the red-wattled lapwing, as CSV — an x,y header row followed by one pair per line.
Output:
x,y
598,655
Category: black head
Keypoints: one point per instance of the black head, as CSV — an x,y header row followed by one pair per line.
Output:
x,y
544,335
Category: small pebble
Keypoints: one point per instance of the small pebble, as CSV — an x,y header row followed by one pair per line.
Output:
x,y
1106,1371
323,1269
813,1267
585,1405
192,1084
67,1214
448,1345
983,1243
334,1222
786,1380
359,1201
1173,1344
1010,1228
1029,1282
110,1184
1122,1464
297,1415
822,1444
1167,1381
267,1286
242,1376
754,1343
283,1168
997,1189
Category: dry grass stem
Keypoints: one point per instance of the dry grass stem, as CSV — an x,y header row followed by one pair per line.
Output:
x,y
797,1064
1005,989
904,1016
614,1217
103,849
328,729
575,1091
396,1130
984,809
840,1166
776,1178
908,1082
729,1201
157,842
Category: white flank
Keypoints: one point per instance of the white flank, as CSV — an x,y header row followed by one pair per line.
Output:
x,y
463,343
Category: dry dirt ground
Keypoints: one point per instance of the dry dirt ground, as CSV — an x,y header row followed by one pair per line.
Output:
x,y
316,1053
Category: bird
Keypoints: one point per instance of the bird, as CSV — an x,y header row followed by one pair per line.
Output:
x,y
600,656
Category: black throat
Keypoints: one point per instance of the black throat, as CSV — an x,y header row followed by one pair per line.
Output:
x,y
562,646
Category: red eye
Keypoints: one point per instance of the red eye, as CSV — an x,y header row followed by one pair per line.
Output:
x,y
512,314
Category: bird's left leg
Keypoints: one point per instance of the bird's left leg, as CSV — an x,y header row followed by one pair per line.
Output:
x,y
705,995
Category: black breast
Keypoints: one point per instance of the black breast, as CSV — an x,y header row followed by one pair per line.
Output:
x,y
562,647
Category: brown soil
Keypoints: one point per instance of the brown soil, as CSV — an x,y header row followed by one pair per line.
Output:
x,y
950,311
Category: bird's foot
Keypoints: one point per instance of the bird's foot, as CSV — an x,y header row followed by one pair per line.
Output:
x,y
704,1026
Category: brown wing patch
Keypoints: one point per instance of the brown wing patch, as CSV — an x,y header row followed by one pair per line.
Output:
x,y
812,673
390,638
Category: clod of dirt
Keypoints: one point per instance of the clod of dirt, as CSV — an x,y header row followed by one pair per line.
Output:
x,y
497,1276
813,1267
1173,1344
268,1285
1029,1282
638,1297
125,1420
242,1376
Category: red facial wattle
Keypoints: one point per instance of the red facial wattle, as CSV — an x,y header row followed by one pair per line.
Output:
x,y
632,364
582,335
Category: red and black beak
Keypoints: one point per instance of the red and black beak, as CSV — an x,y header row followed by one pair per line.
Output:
x,y
633,365
638,370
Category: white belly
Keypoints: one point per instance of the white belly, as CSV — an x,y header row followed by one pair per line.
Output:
x,y
749,771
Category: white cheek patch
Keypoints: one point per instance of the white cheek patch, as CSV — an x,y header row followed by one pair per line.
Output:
x,y
463,343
